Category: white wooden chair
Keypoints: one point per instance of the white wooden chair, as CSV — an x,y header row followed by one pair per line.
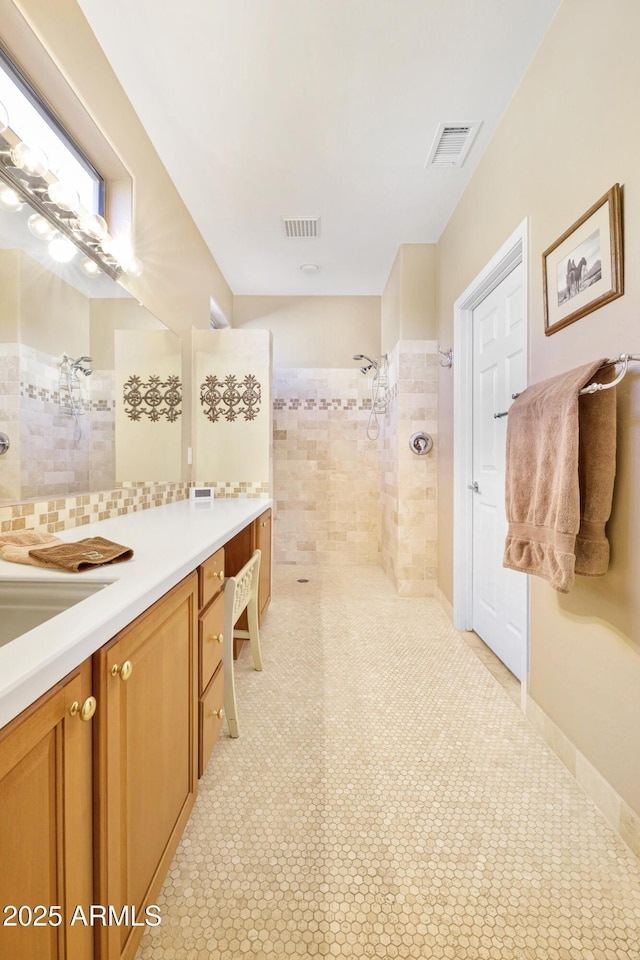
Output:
x,y
240,593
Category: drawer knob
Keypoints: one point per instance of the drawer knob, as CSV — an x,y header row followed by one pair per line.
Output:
x,y
86,711
216,638
125,670
217,575
217,714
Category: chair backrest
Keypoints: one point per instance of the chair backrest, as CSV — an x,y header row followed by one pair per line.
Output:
x,y
245,586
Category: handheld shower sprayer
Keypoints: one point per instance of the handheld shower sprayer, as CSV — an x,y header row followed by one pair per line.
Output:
x,y
372,364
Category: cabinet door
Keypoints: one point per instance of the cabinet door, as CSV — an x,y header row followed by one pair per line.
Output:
x,y
46,827
263,543
147,757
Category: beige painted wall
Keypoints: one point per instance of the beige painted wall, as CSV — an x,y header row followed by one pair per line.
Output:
x,y
55,47
146,449
10,301
314,331
236,450
409,299
107,316
564,140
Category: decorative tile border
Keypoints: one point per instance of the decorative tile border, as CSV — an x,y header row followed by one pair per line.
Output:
x,y
64,513
334,403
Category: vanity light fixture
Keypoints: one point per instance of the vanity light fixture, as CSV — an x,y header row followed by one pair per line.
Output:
x,y
40,227
9,199
89,267
61,249
30,159
59,217
64,195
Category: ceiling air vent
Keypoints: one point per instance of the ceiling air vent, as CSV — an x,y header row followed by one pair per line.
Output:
x,y
451,144
301,228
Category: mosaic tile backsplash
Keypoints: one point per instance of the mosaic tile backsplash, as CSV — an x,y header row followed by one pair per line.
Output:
x,y
64,513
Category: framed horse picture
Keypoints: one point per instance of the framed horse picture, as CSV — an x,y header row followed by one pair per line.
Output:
x,y
583,269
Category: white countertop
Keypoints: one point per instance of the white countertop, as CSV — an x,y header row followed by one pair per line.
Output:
x,y
168,543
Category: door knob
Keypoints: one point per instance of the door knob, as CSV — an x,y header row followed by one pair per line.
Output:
x,y
474,486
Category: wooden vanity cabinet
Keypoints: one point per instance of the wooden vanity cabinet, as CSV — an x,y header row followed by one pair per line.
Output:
x,y
146,680
210,653
46,825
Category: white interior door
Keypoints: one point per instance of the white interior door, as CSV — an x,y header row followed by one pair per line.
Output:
x,y
500,596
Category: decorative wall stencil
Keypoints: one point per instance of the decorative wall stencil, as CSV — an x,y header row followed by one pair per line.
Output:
x,y
230,397
154,398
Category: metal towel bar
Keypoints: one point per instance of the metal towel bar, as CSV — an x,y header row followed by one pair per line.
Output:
x,y
623,359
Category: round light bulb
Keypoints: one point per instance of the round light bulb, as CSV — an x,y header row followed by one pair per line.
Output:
x,y
9,200
93,225
64,195
90,267
40,227
4,118
111,247
133,266
32,160
61,249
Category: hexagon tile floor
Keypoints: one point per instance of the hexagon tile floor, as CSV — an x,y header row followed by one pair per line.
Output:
x,y
386,798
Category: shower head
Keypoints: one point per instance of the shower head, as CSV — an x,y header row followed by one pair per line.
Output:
x,y
372,364
77,365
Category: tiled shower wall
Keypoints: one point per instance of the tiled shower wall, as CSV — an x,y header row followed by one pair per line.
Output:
x,y
46,458
326,470
408,494
343,497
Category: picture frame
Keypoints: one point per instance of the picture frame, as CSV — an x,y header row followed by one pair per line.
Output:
x,y
583,269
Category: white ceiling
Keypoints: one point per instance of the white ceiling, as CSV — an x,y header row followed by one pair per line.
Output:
x,y
263,109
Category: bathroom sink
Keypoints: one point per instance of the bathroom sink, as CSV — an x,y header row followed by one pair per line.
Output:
x,y
25,604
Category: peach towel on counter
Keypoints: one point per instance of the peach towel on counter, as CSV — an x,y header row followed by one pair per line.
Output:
x,y
45,550
560,470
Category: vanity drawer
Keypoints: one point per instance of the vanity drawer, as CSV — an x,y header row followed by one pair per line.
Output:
x,y
210,718
210,577
210,641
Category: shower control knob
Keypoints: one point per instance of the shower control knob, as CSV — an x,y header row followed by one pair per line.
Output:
x,y
421,443
5,443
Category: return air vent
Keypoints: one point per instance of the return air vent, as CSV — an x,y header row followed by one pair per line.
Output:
x,y
301,228
451,144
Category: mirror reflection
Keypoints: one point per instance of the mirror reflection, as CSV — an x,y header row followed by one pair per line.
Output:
x,y
69,343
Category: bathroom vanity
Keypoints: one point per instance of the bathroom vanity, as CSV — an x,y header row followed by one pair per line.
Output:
x,y
99,769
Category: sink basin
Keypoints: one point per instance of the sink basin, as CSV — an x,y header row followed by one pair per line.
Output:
x,y
24,604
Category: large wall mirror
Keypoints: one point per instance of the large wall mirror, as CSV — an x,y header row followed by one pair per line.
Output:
x,y
90,381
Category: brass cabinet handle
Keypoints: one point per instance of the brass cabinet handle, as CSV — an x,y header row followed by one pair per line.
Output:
x,y
88,708
220,637
217,714
264,523
216,637
125,670
86,711
217,575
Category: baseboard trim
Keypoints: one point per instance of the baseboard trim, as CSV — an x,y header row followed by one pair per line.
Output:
x,y
444,603
615,810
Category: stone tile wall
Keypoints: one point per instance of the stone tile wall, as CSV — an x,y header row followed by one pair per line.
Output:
x,y
326,470
408,494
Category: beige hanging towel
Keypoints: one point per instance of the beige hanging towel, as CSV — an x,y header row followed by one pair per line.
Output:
x,y
560,470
